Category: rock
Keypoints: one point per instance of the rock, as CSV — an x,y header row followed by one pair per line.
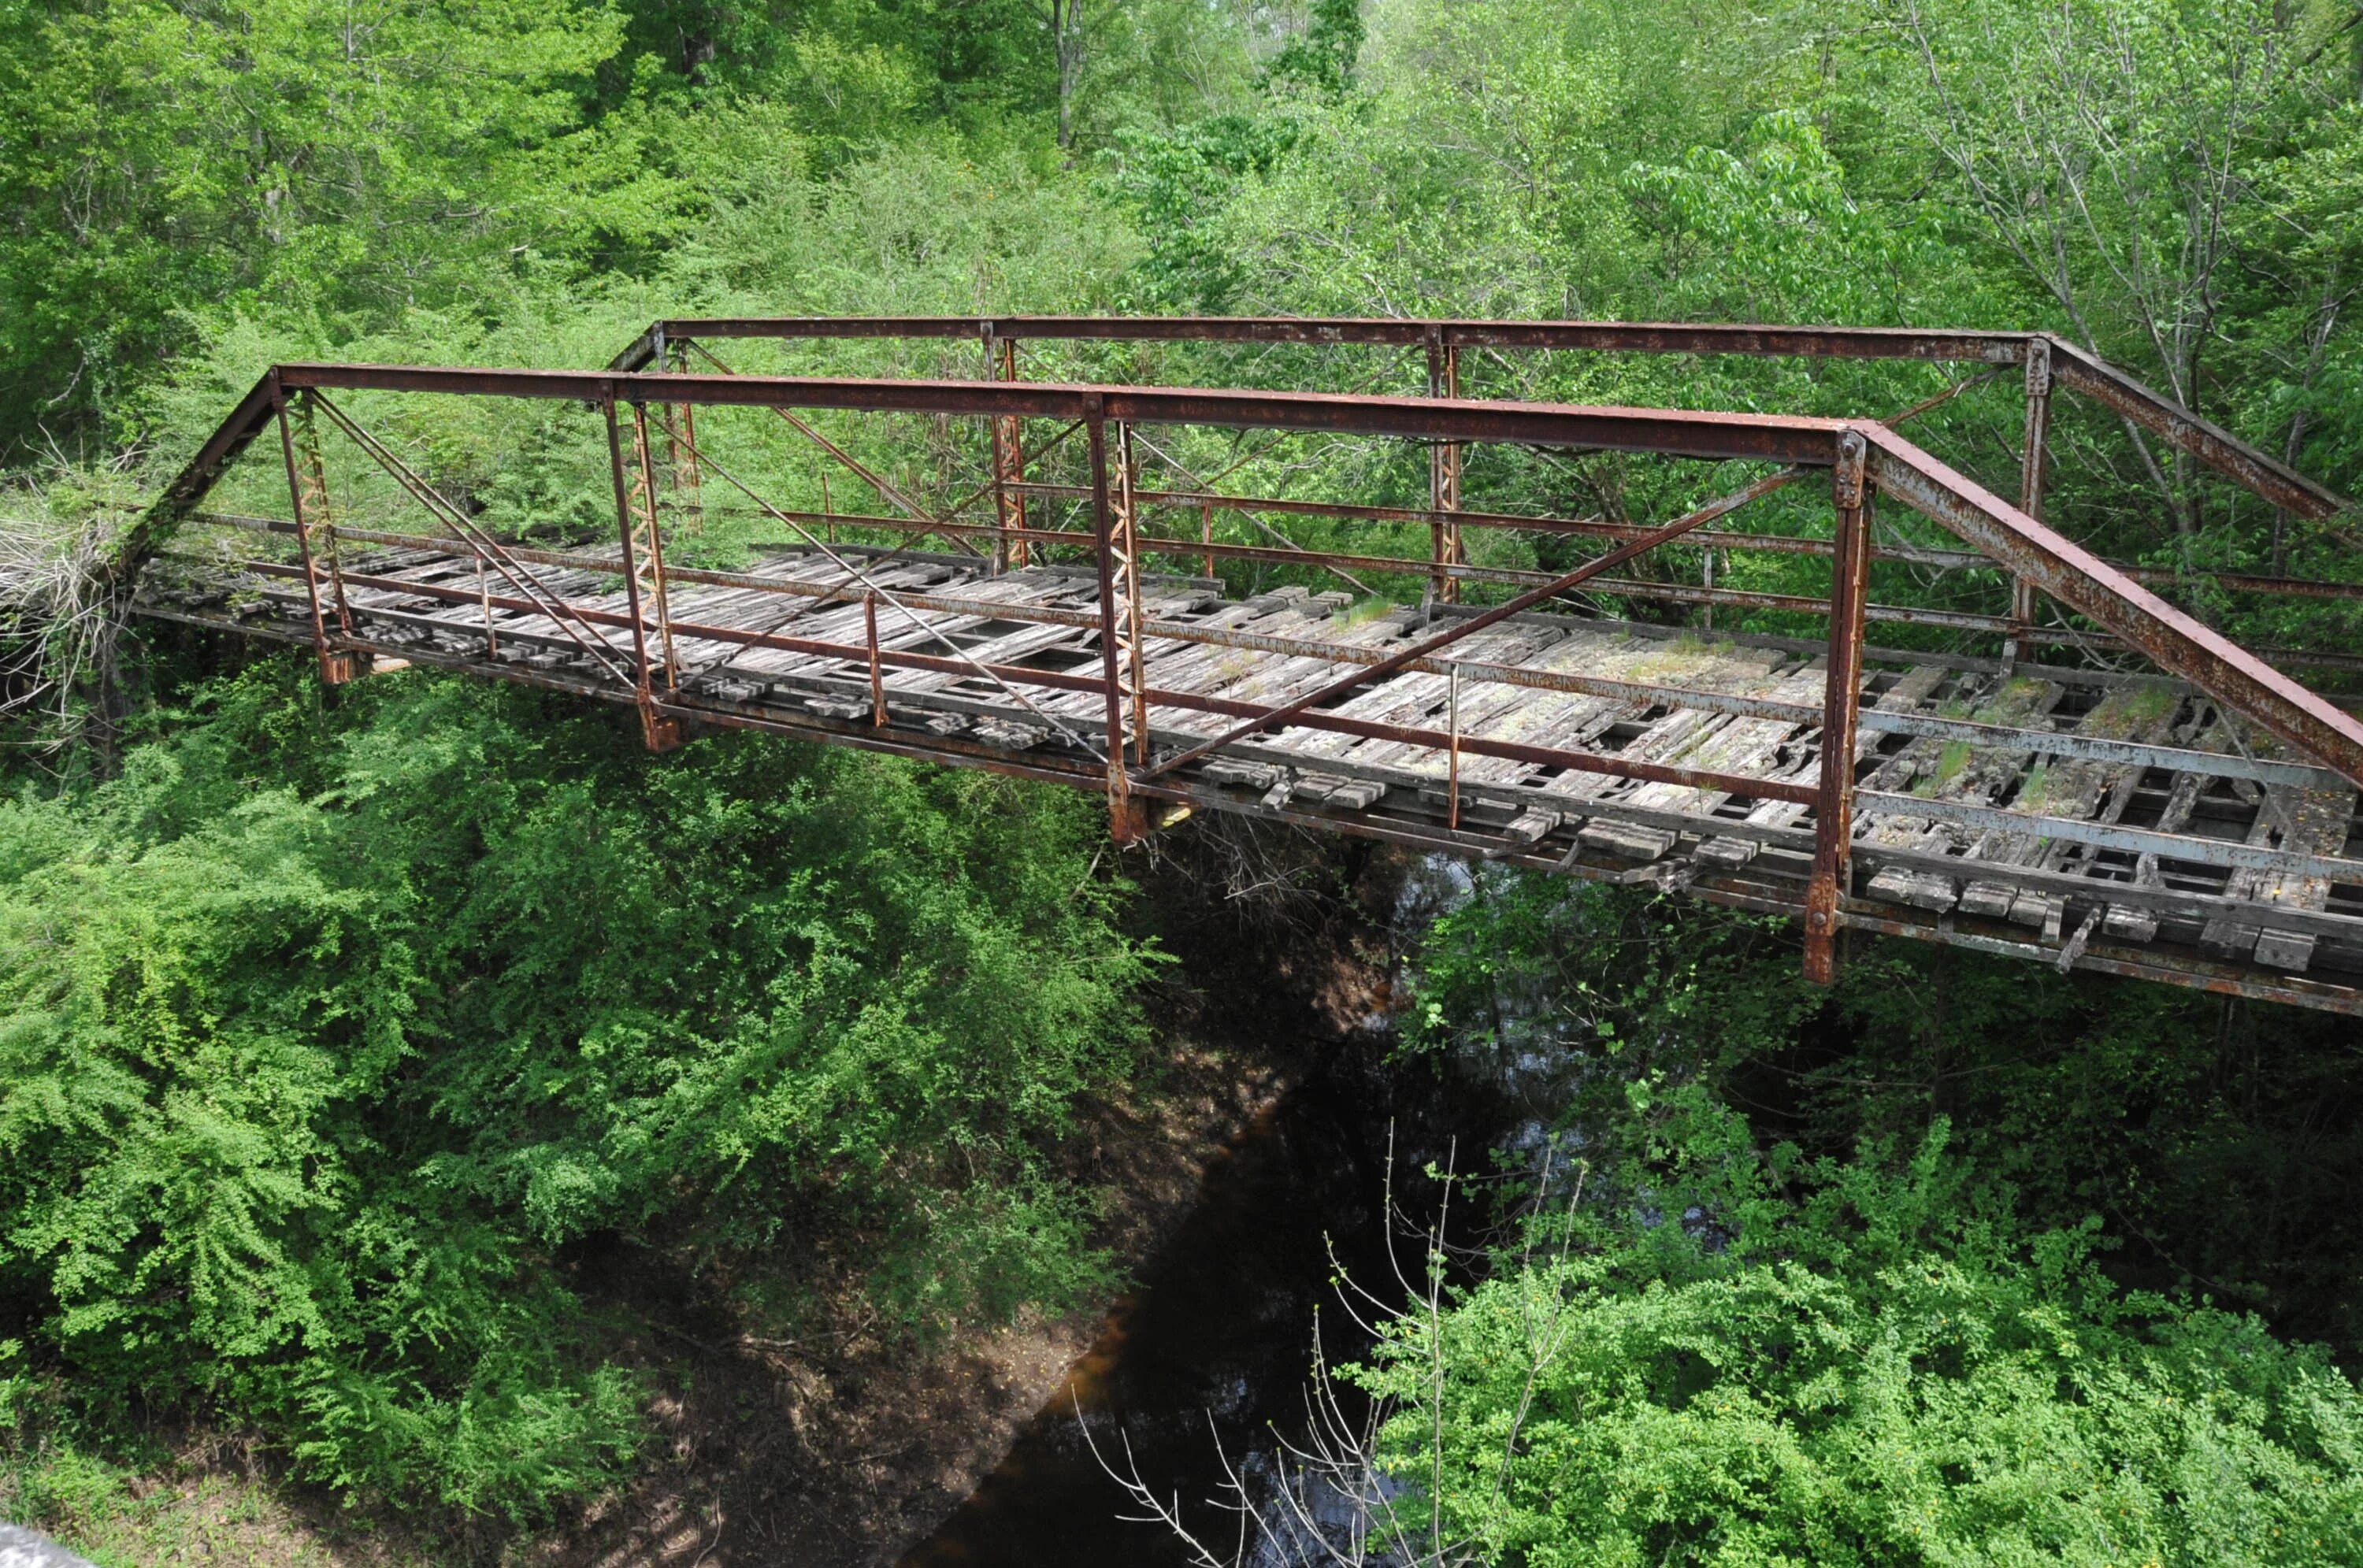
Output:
x,y
21,1548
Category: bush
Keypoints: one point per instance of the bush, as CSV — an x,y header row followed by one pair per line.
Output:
x,y
1880,1372
321,1034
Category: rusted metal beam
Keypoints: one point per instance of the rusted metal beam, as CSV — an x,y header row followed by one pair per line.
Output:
x,y
187,488
1599,528
1833,793
300,497
2072,576
468,536
1008,460
2237,459
2088,585
2032,457
2190,849
1444,472
1124,824
1690,433
2263,475
2218,979
1626,588
2065,743
885,487
643,572
1613,337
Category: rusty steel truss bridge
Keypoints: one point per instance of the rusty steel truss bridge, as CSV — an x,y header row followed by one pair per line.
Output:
x,y
2073,770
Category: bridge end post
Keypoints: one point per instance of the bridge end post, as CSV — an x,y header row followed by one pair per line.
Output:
x,y
1127,822
643,563
1834,809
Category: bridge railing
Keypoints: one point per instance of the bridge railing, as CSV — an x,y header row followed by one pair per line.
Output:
x,y
2047,360
1149,736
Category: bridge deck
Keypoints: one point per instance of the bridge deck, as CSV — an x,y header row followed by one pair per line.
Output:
x,y
2089,818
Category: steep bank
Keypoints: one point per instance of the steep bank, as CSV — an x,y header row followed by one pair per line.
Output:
x,y
844,1443
851,1447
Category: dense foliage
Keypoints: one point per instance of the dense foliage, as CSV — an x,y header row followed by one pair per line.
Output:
x,y
333,1037
1962,1263
1879,1370
328,1033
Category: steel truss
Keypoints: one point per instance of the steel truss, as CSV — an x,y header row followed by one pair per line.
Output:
x,y
1792,809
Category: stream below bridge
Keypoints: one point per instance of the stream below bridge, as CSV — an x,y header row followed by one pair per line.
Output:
x,y
1206,1364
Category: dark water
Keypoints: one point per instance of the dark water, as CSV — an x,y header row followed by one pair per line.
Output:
x,y
1215,1349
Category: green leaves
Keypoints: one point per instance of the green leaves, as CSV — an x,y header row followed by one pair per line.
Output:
x,y
321,158
1866,1378
301,1091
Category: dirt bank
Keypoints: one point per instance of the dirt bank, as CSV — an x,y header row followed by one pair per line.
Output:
x,y
844,1446
843,1451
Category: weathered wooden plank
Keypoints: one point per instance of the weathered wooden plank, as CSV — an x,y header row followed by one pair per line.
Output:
x,y
1952,772
2064,789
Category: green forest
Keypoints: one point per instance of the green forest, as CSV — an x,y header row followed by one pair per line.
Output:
x,y
338,1028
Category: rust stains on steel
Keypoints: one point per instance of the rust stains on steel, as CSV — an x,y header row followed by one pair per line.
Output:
x,y
2022,546
1102,658
1613,336
1601,528
2089,585
2067,743
2265,475
1834,785
1685,433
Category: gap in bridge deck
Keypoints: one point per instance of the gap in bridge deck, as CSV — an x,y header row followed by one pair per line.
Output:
x,y
1943,880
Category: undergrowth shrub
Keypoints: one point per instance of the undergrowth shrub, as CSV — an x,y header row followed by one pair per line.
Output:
x,y
323,1033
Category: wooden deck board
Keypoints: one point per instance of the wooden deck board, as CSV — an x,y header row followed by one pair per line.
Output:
x,y
2001,875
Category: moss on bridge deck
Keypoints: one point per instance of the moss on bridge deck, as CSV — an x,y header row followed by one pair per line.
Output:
x,y
2015,840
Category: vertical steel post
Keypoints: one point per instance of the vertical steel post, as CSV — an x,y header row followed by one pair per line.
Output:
x,y
1008,461
315,478
1452,786
1444,469
2034,456
1126,823
649,560
306,495
662,732
682,476
484,600
877,676
1833,810
1127,539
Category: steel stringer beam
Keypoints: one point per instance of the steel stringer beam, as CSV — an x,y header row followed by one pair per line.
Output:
x,y
2092,587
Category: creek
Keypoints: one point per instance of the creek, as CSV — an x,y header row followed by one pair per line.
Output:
x,y
1211,1355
